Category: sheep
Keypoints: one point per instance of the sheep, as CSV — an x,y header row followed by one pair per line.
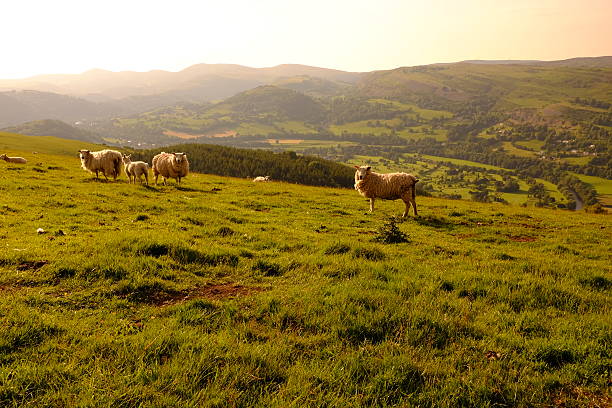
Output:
x,y
261,178
170,165
17,160
135,169
106,161
391,186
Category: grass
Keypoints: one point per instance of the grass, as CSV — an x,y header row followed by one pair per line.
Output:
x,y
511,149
226,293
462,162
580,160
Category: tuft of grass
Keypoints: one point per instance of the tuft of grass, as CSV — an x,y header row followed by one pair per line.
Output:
x,y
389,233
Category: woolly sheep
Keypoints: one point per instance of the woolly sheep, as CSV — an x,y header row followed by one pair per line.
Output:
x,y
261,178
106,161
135,169
391,186
18,160
170,165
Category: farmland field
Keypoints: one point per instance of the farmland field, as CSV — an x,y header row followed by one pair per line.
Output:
x,y
225,292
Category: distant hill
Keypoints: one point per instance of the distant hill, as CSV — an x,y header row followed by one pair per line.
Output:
x,y
503,86
51,127
201,82
591,62
22,106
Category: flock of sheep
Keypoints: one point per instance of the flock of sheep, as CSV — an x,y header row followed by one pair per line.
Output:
x,y
371,185
108,162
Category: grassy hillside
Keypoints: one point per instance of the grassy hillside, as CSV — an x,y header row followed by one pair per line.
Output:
x,y
224,292
57,128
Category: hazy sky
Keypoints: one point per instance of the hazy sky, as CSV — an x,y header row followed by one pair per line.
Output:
x,y
65,36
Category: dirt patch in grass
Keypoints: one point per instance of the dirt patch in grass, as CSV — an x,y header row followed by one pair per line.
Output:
x,y
31,265
214,291
580,397
521,238
465,236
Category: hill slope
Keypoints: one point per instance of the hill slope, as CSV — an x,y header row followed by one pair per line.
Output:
x,y
229,292
50,127
17,107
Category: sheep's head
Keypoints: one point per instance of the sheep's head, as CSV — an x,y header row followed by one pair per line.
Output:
x,y
362,172
3,157
83,154
127,158
180,157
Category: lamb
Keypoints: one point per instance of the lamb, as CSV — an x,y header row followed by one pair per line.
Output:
x,y
17,160
261,178
106,161
391,186
135,169
170,165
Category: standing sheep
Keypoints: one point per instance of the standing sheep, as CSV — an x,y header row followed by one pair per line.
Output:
x,y
391,186
170,165
17,160
106,161
135,169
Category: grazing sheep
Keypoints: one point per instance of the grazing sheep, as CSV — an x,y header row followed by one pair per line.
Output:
x,y
135,169
170,165
17,160
106,161
261,178
391,186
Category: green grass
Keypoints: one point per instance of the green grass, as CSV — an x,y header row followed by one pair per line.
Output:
x,y
462,162
602,186
581,160
511,149
531,144
426,114
223,292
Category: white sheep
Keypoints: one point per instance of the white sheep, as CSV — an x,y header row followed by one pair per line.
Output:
x,y
17,160
261,178
135,169
106,161
391,186
170,165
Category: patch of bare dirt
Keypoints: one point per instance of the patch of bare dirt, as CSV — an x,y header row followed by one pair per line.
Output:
x,y
31,265
465,236
578,396
521,238
214,291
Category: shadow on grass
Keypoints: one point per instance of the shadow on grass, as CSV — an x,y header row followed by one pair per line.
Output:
x,y
436,222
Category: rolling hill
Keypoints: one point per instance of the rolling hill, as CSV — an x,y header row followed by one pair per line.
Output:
x,y
204,82
50,127
225,292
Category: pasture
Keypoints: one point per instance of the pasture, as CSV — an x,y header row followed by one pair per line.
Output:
x,y
225,292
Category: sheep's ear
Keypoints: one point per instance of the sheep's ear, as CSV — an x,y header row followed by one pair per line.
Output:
x,y
368,168
355,166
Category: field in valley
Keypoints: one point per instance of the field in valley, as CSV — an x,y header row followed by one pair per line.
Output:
x,y
225,292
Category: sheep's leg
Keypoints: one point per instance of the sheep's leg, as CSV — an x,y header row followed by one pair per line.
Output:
x,y
156,177
147,178
371,205
416,214
408,198
407,202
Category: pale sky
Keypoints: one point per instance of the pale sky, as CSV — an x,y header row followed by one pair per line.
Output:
x,y
73,36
